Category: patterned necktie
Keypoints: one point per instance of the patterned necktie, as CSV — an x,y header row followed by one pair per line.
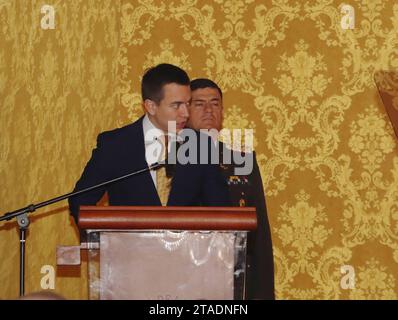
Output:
x,y
163,183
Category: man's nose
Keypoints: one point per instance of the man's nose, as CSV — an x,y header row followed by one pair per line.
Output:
x,y
183,111
208,107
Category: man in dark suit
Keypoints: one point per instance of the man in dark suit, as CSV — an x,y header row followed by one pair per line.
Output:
x,y
206,112
166,95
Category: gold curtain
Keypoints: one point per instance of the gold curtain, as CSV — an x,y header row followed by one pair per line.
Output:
x,y
288,69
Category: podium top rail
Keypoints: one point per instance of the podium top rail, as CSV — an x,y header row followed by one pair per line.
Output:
x,y
167,218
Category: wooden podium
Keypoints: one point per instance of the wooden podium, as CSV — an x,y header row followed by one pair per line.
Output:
x,y
156,253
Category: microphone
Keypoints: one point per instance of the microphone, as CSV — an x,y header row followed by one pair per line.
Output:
x,y
23,221
170,158
33,207
172,155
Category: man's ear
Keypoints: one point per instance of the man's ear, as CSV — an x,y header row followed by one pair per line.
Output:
x,y
150,107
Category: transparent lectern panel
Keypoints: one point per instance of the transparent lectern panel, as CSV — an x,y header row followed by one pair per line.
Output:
x,y
172,265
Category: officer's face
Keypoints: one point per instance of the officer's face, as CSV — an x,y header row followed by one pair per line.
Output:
x,y
206,109
173,107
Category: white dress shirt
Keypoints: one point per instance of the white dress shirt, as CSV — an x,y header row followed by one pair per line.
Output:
x,y
153,138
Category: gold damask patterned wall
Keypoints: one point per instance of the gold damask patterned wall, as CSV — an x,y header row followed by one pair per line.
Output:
x,y
327,152
57,91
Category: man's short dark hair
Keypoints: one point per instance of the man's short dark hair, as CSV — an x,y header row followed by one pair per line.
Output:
x,y
157,77
203,83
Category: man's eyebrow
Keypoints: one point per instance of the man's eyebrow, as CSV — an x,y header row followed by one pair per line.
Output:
x,y
201,99
179,102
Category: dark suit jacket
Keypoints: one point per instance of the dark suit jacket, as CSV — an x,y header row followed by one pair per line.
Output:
x,y
248,191
122,151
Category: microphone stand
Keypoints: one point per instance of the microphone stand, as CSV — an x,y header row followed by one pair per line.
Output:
x,y
23,221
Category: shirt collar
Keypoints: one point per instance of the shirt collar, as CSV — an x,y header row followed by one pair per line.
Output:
x,y
152,133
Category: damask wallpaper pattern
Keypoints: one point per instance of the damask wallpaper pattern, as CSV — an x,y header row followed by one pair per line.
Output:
x,y
327,152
